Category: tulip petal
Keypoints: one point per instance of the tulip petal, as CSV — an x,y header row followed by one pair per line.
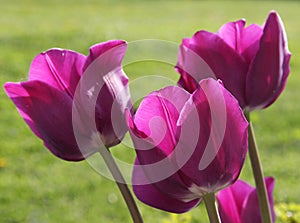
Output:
x,y
104,90
191,68
154,161
109,53
251,211
220,151
48,112
58,68
21,98
157,115
250,42
286,64
186,80
224,61
151,195
232,34
230,201
152,131
244,40
267,71
270,184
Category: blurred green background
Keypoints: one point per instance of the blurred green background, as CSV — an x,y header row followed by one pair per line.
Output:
x,y
37,187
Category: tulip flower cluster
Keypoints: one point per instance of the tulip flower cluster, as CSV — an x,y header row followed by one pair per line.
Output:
x,y
190,140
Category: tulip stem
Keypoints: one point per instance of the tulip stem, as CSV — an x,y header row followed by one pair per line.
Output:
x,y
121,183
258,174
211,208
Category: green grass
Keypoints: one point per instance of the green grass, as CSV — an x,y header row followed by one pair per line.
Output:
x,y
35,186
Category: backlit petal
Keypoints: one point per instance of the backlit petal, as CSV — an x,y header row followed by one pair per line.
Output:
x,y
225,63
251,211
104,90
232,34
157,115
267,71
48,112
218,156
58,68
250,42
230,201
151,195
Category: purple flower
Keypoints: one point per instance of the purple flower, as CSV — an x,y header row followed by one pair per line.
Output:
x,y
252,62
239,202
187,145
57,100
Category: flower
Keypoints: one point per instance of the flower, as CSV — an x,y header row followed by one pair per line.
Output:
x,y
252,62
187,145
239,202
60,101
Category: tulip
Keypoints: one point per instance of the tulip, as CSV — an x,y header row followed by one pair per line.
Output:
x,y
252,62
239,202
187,145
62,83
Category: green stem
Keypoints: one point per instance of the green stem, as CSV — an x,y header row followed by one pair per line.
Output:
x,y
258,174
211,208
120,181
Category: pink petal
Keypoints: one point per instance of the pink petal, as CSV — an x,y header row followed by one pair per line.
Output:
x,y
113,99
109,53
286,63
232,34
21,98
186,81
251,211
230,201
269,68
58,68
192,67
48,112
250,42
104,90
157,115
220,150
244,40
224,61
270,183
151,195
152,131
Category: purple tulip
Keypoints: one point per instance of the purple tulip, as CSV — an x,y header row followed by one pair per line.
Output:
x,y
239,202
62,83
252,62
187,145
